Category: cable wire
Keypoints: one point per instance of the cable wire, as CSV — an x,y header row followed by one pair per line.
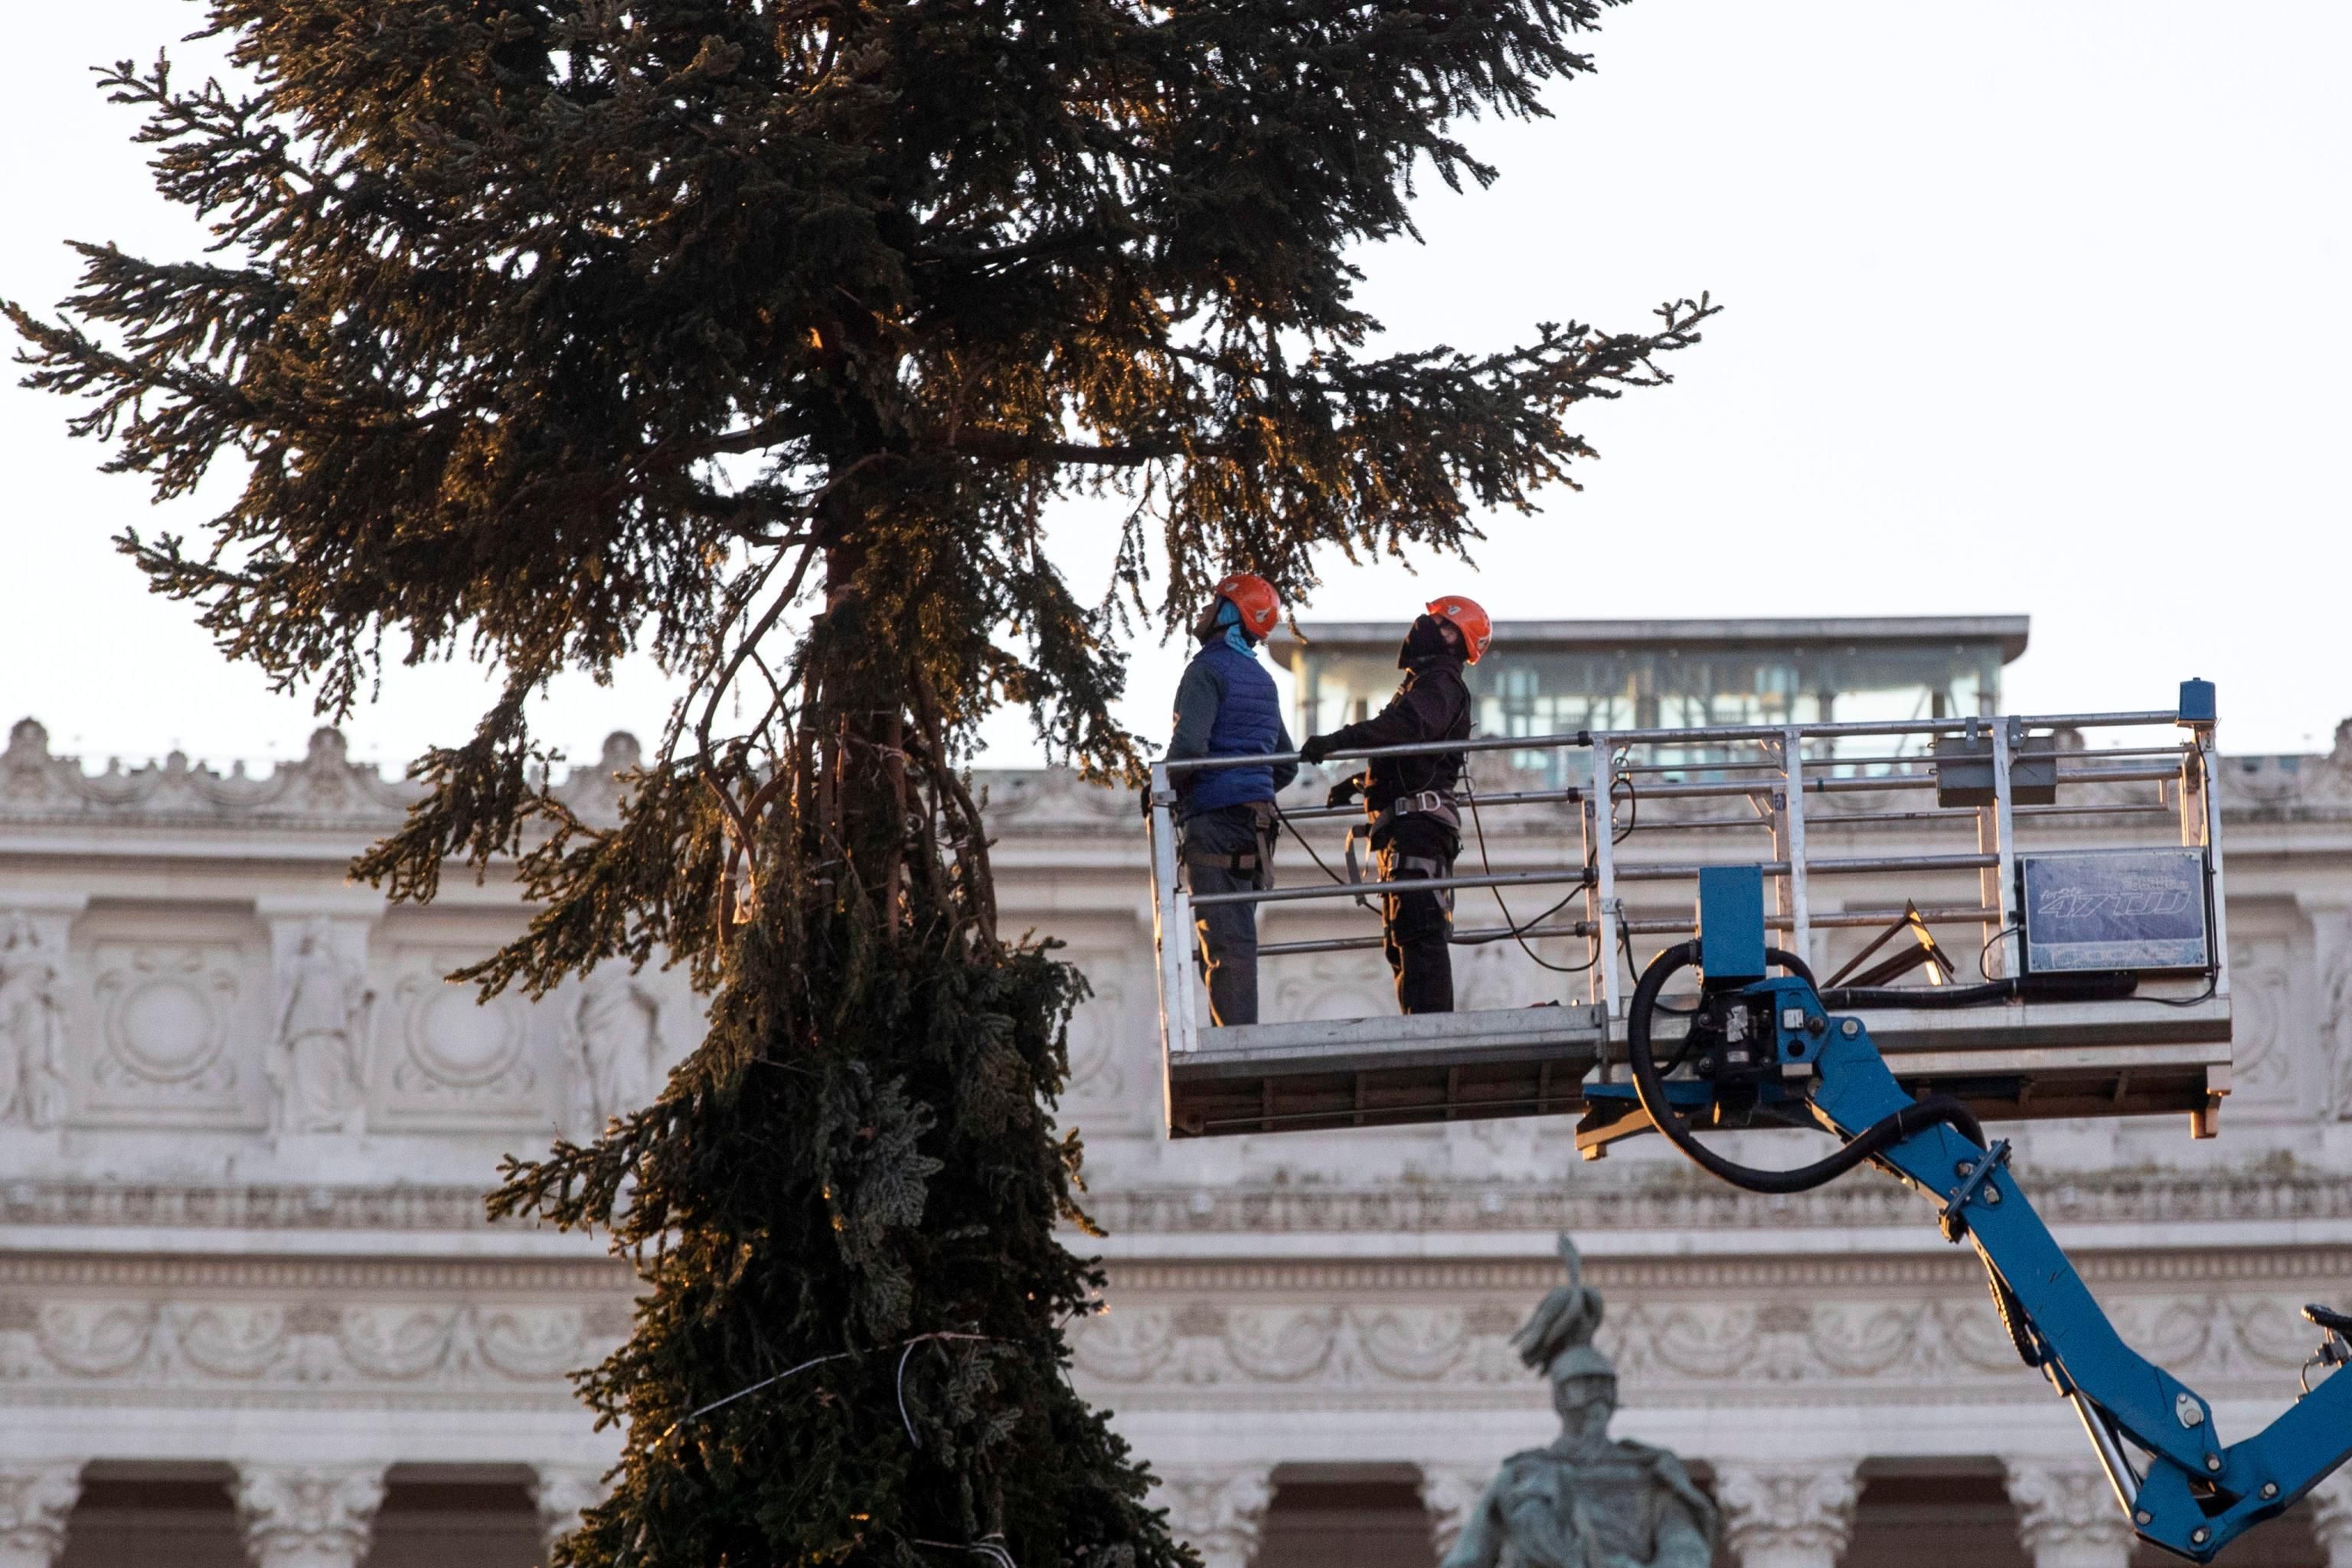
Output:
x,y
1649,1087
1633,808
1982,973
1284,817
1478,825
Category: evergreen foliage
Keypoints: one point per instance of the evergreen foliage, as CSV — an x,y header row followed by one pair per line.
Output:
x,y
547,330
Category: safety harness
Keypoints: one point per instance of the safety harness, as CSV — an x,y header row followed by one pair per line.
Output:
x,y
1256,862
1433,802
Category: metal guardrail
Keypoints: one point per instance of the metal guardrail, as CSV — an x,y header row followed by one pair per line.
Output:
x,y
1620,767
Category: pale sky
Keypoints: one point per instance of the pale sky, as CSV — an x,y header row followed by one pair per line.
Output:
x,y
2031,307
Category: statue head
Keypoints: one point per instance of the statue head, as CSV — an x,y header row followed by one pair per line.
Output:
x,y
1583,1394
1558,1339
1564,1319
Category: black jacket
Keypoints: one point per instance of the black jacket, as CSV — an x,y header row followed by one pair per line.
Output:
x,y
1431,705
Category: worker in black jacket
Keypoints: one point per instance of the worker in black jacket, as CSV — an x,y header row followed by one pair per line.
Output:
x,y
1416,828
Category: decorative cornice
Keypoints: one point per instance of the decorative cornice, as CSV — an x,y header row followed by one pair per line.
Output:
x,y
252,1208
325,790
597,1276
1764,1269
1677,1200
1669,1199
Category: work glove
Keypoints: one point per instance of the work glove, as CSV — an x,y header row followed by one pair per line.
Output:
x,y
1345,790
1317,748
1143,799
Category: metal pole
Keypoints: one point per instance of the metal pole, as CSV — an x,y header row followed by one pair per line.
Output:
x,y
1188,984
1584,847
2110,1452
1593,982
1172,930
2206,753
2004,827
1605,878
1564,877
1758,733
1792,811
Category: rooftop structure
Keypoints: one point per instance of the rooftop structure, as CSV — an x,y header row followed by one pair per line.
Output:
x,y
1549,678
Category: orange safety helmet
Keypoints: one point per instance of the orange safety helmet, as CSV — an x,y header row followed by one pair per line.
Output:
x,y
1254,597
1468,619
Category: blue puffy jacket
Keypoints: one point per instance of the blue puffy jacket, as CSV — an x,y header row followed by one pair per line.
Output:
x,y
1225,706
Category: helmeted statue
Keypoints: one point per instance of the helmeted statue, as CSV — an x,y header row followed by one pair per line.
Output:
x,y
1588,1501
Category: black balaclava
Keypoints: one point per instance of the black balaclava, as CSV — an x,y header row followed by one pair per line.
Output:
x,y
1426,640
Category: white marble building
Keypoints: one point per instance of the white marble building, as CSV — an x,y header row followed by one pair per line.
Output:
x,y
249,1306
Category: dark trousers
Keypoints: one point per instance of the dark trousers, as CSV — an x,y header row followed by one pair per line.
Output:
x,y
1417,928
1212,843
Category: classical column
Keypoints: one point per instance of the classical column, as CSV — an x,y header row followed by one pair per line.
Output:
x,y
1217,1507
2331,1517
34,1500
1448,1493
564,1492
2067,1514
308,1515
1788,1516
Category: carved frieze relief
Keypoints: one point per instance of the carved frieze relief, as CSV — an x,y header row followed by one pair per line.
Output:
x,y
217,1345
33,1088
316,1062
614,1023
168,1015
2332,931
2262,1035
1096,1072
1668,1354
447,1056
1332,986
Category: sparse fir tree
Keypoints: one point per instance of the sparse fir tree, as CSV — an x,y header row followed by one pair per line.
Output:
x,y
762,335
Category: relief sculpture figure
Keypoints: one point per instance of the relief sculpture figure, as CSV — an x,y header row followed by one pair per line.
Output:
x,y
32,1028
620,1038
2335,1015
315,1075
1587,1500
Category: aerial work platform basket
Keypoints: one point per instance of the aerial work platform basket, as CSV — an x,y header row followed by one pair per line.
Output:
x,y
2068,859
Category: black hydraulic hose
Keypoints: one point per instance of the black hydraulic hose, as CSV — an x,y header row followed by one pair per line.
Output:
x,y
1793,964
1650,1085
2089,985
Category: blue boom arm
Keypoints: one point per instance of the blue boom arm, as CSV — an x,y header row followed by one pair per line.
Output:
x,y
2199,1494
2196,1494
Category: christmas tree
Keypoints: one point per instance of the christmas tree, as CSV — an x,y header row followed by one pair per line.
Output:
x,y
763,336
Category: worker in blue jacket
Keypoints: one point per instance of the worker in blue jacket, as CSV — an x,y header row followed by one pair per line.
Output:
x,y
1225,706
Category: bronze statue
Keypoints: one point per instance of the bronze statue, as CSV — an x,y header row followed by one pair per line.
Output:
x,y
1588,1501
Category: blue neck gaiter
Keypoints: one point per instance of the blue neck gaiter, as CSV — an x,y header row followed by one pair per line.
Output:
x,y
1237,639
